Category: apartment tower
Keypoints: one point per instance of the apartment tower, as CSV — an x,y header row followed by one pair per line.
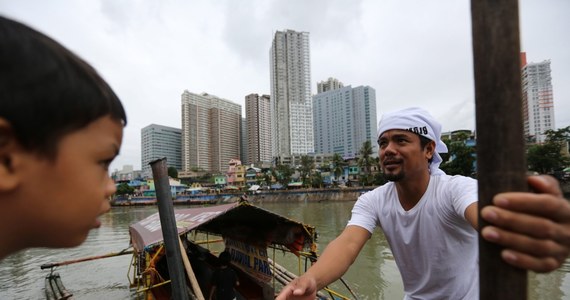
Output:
x,y
329,85
258,127
538,100
157,142
291,101
210,132
344,118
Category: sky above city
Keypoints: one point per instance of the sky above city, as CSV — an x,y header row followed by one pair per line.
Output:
x,y
413,53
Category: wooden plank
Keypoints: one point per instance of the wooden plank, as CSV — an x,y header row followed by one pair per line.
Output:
x,y
501,164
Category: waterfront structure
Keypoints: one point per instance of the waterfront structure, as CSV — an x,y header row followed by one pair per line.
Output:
x,y
345,118
291,102
158,141
538,99
258,128
329,85
127,173
210,132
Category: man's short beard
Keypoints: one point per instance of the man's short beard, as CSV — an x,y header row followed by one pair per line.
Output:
x,y
394,177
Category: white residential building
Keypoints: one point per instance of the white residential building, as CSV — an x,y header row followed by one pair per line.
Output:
x,y
291,101
157,142
344,118
538,99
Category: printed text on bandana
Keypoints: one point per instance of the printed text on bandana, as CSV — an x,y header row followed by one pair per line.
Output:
x,y
419,130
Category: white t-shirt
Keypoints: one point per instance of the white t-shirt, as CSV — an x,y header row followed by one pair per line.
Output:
x,y
435,247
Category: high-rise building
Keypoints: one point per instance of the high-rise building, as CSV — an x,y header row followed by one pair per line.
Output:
x,y
344,118
157,142
243,142
291,101
258,114
210,132
538,100
329,85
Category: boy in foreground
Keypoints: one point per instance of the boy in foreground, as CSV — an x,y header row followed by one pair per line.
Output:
x,y
430,220
61,125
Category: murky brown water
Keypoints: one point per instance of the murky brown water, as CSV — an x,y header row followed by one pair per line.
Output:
x,y
373,276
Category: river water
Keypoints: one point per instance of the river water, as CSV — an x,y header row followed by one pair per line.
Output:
x,y
374,275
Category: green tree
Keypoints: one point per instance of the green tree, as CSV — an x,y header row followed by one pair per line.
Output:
x,y
307,165
338,165
317,180
124,189
546,158
365,162
462,156
172,172
282,174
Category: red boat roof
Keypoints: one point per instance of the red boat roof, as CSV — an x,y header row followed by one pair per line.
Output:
x,y
239,221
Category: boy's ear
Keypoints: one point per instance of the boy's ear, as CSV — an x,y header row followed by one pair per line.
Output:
x,y
8,147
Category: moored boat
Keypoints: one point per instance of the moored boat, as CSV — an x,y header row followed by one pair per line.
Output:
x,y
248,232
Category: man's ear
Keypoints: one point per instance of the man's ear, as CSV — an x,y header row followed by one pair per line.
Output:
x,y
430,150
8,147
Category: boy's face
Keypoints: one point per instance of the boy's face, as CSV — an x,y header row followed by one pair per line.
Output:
x,y
67,195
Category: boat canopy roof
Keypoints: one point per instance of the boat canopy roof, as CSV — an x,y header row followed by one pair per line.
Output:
x,y
238,221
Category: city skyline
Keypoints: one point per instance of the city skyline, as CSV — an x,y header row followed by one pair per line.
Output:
x,y
416,54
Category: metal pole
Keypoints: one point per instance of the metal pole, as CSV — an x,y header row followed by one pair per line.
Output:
x,y
501,164
169,230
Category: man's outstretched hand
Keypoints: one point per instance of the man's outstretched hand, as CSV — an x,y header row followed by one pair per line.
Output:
x,y
533,227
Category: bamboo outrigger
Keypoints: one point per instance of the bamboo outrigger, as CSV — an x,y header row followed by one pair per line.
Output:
x,y
247,231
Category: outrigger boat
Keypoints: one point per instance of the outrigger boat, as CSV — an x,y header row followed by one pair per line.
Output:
x,y
251,234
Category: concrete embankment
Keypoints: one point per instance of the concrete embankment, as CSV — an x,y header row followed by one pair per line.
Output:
x,y
348,194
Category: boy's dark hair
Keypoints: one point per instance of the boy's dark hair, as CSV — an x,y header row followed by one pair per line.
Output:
x,y
224,258
46,91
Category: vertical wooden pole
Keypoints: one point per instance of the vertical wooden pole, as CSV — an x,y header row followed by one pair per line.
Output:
x,y
169,230
501,164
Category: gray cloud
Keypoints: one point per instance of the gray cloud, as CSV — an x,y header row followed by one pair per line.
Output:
x,y
412,52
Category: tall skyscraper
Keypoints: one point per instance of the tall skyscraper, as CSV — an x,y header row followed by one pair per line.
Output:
x,y
258,115
344,118
210,132
243,142
538,100
291,102
159,141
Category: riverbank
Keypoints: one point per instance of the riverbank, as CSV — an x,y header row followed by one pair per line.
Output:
x,y
297,195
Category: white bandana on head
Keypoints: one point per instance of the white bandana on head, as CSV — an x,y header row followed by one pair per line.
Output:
x,y
418,121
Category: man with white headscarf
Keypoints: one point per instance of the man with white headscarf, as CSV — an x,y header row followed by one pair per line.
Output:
x,y
430,220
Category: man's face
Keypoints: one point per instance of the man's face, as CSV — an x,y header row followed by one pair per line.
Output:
x,y
401,155
66,195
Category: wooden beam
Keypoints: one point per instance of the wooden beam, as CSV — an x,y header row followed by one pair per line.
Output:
x,y
501,164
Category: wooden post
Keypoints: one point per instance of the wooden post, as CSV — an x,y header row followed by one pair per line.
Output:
x,y
169,230
501,164
190,272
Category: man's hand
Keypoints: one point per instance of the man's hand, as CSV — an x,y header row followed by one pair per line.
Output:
x,y
534,227
302,288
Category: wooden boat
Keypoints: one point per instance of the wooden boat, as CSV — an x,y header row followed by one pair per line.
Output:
x,y
248,232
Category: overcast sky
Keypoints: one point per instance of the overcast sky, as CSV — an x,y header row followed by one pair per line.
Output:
x,y
413,53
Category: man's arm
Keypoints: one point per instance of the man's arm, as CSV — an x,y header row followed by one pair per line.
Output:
x,y
331,265
534,227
